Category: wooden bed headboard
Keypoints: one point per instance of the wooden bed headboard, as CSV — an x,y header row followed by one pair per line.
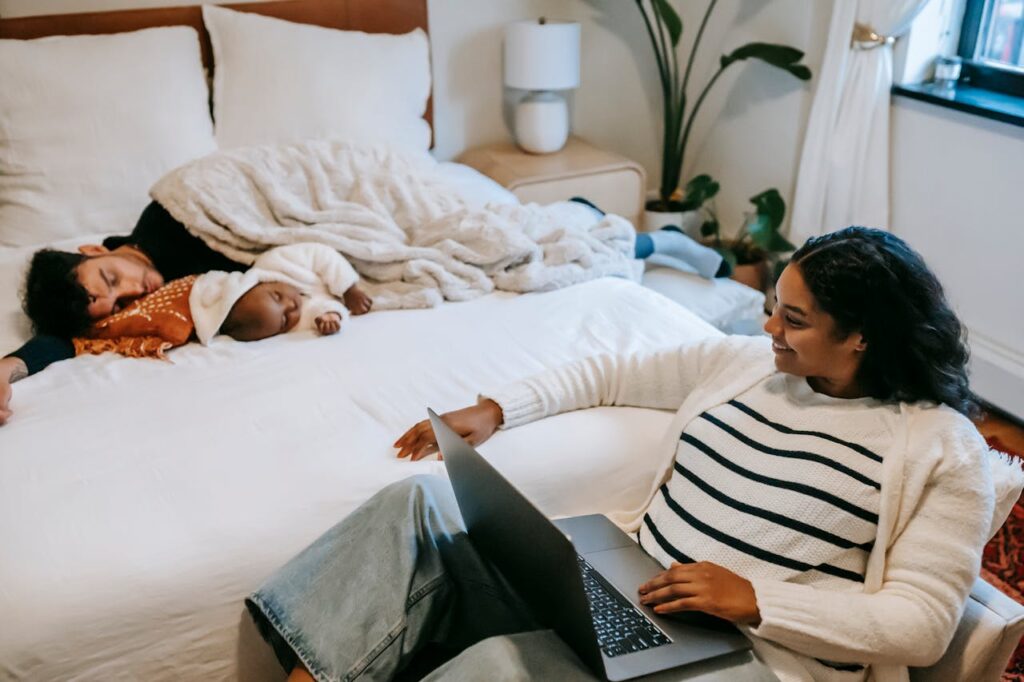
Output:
x,y
371,16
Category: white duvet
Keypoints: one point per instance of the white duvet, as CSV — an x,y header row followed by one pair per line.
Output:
x,y
140,501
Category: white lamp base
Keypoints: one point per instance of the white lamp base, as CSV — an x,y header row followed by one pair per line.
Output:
x,y
542,122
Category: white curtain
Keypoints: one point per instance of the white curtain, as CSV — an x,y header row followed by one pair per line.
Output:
x,y
843,178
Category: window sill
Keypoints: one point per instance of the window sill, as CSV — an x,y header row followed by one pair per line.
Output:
x,y
986,103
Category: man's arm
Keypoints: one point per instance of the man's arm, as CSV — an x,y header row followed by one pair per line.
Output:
x,y
39,353
11,369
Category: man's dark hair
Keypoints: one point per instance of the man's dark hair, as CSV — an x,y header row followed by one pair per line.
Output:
x,y
873,283
54,299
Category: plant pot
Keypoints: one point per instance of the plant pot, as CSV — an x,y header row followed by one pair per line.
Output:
x,y
754,275
688,221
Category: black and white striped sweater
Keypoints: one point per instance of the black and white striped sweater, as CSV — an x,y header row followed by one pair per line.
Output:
x,y
758,490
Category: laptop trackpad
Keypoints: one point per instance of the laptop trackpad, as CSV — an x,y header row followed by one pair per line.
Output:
x,y
625,568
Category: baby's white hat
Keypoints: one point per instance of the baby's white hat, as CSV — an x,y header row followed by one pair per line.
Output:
x,y
214,294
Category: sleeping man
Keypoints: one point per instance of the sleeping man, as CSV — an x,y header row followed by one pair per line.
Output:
x,y
65,293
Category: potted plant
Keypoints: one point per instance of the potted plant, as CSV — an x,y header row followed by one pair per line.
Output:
x,y
665,28
757,246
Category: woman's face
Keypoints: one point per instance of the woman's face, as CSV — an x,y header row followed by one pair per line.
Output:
x,y
806,342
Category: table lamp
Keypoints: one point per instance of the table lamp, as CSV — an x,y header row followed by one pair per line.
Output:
x,y
542,56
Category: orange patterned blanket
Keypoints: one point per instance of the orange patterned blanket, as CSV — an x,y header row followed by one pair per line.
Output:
x,y
146,328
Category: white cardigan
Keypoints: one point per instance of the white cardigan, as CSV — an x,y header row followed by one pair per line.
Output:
x,y
944,494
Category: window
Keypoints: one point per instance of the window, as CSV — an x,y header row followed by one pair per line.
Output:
x,y
992,45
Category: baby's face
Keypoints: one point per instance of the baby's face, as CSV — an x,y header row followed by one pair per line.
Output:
x,y
268,309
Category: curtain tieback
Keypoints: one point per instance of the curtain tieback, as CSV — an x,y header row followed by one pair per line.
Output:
x,y
866,38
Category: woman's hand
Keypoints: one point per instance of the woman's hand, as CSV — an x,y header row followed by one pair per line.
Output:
x,y
475,424
702,586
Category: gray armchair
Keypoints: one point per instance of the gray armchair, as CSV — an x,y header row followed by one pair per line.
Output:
x,y
988,633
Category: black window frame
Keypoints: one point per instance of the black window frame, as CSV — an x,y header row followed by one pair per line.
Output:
x,y
977,73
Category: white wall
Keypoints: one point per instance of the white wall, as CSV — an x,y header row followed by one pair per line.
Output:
x,y
957,198
750,129
749,132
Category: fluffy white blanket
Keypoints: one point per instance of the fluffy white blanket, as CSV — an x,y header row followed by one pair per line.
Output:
x,y
405,228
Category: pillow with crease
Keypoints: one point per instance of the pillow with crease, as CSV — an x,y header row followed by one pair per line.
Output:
x,y
89,122
280,81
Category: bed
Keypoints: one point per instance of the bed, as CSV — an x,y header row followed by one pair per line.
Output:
x,y
140,501
133,530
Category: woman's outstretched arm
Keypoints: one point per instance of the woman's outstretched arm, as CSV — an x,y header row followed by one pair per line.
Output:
x,y
659,379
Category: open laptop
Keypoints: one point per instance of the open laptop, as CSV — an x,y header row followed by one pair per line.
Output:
x,y
579,575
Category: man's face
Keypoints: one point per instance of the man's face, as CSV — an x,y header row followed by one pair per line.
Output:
x,y
115,278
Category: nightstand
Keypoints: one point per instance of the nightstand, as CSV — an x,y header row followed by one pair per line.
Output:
x,y
613,182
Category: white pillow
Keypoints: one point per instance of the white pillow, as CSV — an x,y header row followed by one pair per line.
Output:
x,y
732,307
88,123
278,81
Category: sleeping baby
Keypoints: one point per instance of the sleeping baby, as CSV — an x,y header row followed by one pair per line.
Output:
x,y
290,288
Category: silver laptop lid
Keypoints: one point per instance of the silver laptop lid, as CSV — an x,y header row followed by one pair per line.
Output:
x,y
533,555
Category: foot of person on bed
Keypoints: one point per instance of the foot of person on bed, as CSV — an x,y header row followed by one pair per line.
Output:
x,y
357,301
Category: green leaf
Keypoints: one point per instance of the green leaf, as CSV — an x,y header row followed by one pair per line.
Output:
x,y
763,226
699,190
771,204
765,238
779,244
672,21
774,54
780,56
759,229
709,228
800,71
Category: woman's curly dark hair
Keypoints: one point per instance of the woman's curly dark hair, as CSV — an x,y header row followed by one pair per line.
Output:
x,y
872,282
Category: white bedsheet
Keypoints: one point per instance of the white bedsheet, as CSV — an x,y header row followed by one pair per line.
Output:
x,y
140,501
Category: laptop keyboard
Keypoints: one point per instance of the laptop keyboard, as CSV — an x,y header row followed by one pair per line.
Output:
x,y
621,628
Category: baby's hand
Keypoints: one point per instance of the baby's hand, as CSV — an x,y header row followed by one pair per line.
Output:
x,y
356,300
328,323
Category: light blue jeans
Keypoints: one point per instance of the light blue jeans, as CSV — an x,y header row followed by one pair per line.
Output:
x,y
399,573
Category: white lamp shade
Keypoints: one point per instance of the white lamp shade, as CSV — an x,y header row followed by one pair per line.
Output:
x,y
542,56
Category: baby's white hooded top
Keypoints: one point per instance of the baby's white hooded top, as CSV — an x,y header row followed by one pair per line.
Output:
x,y
319,272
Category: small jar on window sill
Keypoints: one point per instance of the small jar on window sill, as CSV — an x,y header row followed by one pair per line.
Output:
x,y
947,72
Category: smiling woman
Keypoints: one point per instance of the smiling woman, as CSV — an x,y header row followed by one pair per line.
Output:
x,y
802,475
807,342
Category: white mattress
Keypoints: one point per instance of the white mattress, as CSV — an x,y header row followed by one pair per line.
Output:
x,y
141,501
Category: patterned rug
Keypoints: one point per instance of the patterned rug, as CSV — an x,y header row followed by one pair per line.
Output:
x,y
1002,566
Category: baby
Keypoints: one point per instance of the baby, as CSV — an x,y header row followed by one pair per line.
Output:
x,y
289,288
